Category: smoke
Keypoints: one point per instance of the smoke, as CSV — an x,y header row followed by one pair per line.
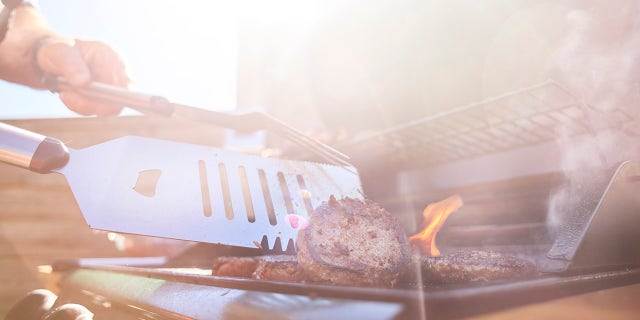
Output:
x,y
599,58
586,164
599,62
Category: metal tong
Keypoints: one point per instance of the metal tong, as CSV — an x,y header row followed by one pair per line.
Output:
x,y
158,105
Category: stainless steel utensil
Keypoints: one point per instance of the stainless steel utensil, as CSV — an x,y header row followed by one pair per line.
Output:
x,y
183,191
153,104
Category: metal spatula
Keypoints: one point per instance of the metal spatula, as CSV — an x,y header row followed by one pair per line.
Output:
x,y
158,105
182,191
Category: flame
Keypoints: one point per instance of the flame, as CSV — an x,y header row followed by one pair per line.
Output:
x,y
435,214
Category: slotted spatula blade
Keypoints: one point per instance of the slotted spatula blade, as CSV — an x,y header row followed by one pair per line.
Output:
x,y
175,190
190,192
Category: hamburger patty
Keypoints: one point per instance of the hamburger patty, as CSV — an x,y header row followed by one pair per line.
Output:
x,y
273,268
474,266
240,267
353,242
278,268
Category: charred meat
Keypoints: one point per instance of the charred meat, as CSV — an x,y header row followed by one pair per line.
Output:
x,y
278,268
353,242
240,267
474,266
273,268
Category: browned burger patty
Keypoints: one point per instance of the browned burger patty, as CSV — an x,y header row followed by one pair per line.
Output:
x,y
241,267
278,268
353,242
474,266
273,268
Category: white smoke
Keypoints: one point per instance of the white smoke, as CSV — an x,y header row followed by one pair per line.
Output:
x,y
584,160
599,62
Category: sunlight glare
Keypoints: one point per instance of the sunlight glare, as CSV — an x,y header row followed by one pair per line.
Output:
x,y
189,52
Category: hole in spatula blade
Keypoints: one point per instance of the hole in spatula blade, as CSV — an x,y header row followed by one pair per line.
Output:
x,y
285,193
305,194
267,197
251,216
204,187
147,182
226,193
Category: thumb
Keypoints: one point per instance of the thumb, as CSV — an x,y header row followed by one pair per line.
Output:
x,y
59,56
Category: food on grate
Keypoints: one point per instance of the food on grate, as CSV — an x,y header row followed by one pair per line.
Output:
x,y
278,268
273,268
242,267
466,266
358,243
353,242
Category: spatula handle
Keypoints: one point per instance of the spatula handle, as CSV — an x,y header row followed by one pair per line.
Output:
x,y
30,150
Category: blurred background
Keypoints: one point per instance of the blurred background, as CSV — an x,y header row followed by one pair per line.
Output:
x,y
318,65
186,50
321,63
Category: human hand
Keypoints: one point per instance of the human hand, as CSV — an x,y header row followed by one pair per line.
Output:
x,y
81,62
31,49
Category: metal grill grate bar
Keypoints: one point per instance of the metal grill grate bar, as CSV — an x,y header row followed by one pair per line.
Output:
x,y
525,117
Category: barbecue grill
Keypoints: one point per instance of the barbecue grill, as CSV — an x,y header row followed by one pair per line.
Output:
x,y
501,156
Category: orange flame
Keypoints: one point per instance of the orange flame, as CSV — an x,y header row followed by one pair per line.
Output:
x,y
435,215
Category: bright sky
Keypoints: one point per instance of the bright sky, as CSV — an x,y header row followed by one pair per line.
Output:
x,y
183,50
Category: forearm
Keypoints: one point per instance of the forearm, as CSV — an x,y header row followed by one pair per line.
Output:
x,y
31,48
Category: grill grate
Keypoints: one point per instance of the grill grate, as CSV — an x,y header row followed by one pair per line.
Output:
x,y
528,116
305,300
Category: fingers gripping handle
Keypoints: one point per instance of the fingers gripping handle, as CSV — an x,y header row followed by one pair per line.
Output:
x,y
31,150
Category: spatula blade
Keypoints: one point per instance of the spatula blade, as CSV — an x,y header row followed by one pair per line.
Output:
x,y
181,191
